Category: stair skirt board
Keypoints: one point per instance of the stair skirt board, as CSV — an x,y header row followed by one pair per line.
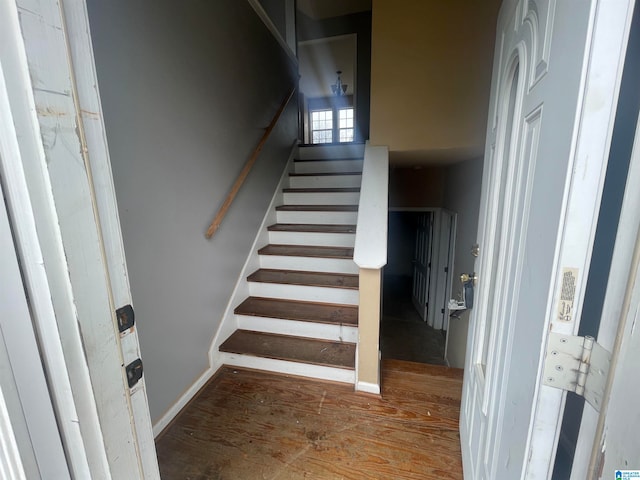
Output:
x,y
328,166
336,333
325,181
312,238
319,372
304,293
312,264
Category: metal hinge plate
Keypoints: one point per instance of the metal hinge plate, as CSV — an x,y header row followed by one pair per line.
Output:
x,y
577,364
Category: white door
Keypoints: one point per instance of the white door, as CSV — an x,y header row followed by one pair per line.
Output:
x,y
536,222
61,180
443,268
422,264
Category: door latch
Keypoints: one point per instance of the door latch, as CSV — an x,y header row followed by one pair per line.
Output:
x,y
126,318
134,372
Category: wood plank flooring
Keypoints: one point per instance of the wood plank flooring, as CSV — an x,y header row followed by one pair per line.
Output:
x,y
247,425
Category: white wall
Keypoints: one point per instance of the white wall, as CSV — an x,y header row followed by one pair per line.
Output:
x,y
187,90
462,195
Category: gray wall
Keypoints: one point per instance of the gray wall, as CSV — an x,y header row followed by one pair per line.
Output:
x,y
187,89
462,195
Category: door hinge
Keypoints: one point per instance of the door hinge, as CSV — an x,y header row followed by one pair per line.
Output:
x,y
577,364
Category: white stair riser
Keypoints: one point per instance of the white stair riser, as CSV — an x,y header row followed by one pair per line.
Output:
x,y
321,218
304,293
325,181
290,368
331,151
308,264
328,166
338,333
322,198
313,238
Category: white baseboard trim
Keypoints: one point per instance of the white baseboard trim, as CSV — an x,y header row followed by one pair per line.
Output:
x,y
368,387
174,410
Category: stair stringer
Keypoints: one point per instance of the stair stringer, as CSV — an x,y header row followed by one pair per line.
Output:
x,y
229,323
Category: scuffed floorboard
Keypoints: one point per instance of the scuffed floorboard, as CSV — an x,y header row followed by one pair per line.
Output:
x,y
247,425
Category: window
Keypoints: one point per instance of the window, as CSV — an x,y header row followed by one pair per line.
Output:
x,y
322,126
345,124
335,124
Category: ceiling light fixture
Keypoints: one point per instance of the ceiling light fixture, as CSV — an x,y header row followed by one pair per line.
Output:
x,y
339,89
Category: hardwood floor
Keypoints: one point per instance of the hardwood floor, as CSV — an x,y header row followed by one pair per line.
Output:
x,y
247,425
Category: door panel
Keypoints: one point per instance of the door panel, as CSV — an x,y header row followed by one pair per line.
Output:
x,y
443,261
538,66
422,264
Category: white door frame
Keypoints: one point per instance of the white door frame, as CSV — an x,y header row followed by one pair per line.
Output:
x,y
611,24
66,186
620,306
30,428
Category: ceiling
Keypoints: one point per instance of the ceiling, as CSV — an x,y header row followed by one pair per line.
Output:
x,y
320,9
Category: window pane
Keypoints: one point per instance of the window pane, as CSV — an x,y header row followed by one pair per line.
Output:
x,y
346,134
345,118
322,136
322,126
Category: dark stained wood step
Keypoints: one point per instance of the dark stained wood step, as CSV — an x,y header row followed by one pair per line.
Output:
x,y
334,314
308,251
317,208
322,190
332,159
296,349
323,174
311,228
313,279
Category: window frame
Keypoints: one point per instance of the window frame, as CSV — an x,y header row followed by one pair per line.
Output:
x,y
335,105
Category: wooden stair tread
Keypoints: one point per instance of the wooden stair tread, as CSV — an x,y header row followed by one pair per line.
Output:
x,y
297,349
296,277
307,251
331,159
317,208
322,190
335,314
312,228
323,174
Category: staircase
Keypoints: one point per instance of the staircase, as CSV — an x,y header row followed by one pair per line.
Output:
x,y
302,313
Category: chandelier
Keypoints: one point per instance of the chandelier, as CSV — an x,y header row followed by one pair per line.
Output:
x,y
339,89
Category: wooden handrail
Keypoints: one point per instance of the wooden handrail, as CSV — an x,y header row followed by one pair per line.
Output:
x,y
215,224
